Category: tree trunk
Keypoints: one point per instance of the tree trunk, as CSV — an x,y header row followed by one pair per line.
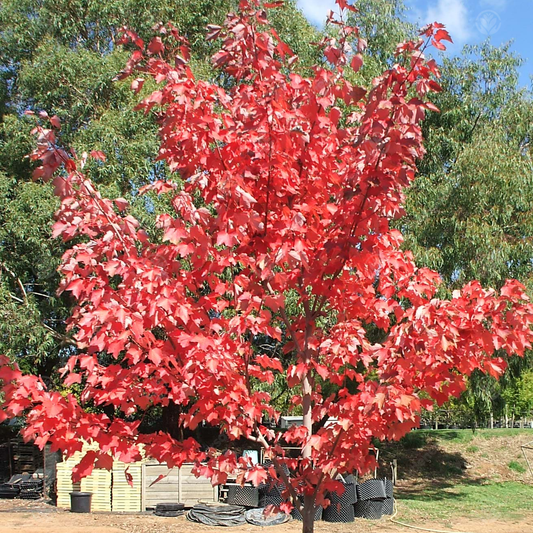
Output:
x,y
491,420
308,514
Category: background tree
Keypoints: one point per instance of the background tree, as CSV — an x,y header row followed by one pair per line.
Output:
x,y
468,214
281,200
63,57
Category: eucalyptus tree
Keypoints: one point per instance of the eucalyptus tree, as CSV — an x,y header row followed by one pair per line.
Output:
x,y
469,213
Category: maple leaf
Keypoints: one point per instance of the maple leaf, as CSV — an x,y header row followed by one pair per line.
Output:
x,y
343,4
97,154
104,460
84,467
137,84
256,475
55,122
356,62
156,46
128,476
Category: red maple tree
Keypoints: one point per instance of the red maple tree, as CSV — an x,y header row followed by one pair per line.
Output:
x,y
289,187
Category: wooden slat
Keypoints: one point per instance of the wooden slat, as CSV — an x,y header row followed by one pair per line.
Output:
x,y
178,485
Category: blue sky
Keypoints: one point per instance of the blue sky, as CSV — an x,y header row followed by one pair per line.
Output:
x,y
468,21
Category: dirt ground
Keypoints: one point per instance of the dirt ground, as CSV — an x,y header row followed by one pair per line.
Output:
x,y
40,517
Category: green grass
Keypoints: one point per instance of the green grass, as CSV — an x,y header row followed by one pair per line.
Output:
x,y
472,449
516,466
443,501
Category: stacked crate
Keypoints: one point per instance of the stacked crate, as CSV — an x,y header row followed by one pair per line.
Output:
x,y
26,457
65,485
124,497
98,483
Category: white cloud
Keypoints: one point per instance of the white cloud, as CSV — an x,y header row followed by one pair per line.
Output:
x,y
316,11
452,13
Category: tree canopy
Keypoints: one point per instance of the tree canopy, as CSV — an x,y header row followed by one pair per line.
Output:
x,y
282,199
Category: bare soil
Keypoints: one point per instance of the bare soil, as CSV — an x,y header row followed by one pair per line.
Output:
x,y
41,517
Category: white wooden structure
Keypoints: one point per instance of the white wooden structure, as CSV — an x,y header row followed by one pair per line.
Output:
x,y
179,485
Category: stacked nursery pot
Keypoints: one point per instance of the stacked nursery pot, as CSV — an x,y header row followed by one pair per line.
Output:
x,y
341,507
270,491
298,516
246,495
374,499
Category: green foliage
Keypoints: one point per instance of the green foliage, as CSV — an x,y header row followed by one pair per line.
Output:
x,y
517,467
383,24
469,212
519,394
31,317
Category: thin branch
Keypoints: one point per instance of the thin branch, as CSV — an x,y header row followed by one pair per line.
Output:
x,y
17,280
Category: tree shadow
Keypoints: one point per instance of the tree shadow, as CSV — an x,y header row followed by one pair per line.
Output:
x,y
419,456
436,489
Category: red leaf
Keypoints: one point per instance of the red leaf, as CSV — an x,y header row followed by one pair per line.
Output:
x,y
343,4
256,475
104,460
122,204
97,154
438,45
85,467
71,379
55,122
443,35
129,477
137,84
213,32
156,46
159,478
357,62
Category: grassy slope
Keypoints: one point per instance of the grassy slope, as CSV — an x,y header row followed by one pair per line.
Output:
x,y
458,473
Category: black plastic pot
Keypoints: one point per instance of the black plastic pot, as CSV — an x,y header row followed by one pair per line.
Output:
x,y
369,509
373,489
298,516
246,496
388,506
270,496
389,487
349,496
350,478
338,512
80,502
